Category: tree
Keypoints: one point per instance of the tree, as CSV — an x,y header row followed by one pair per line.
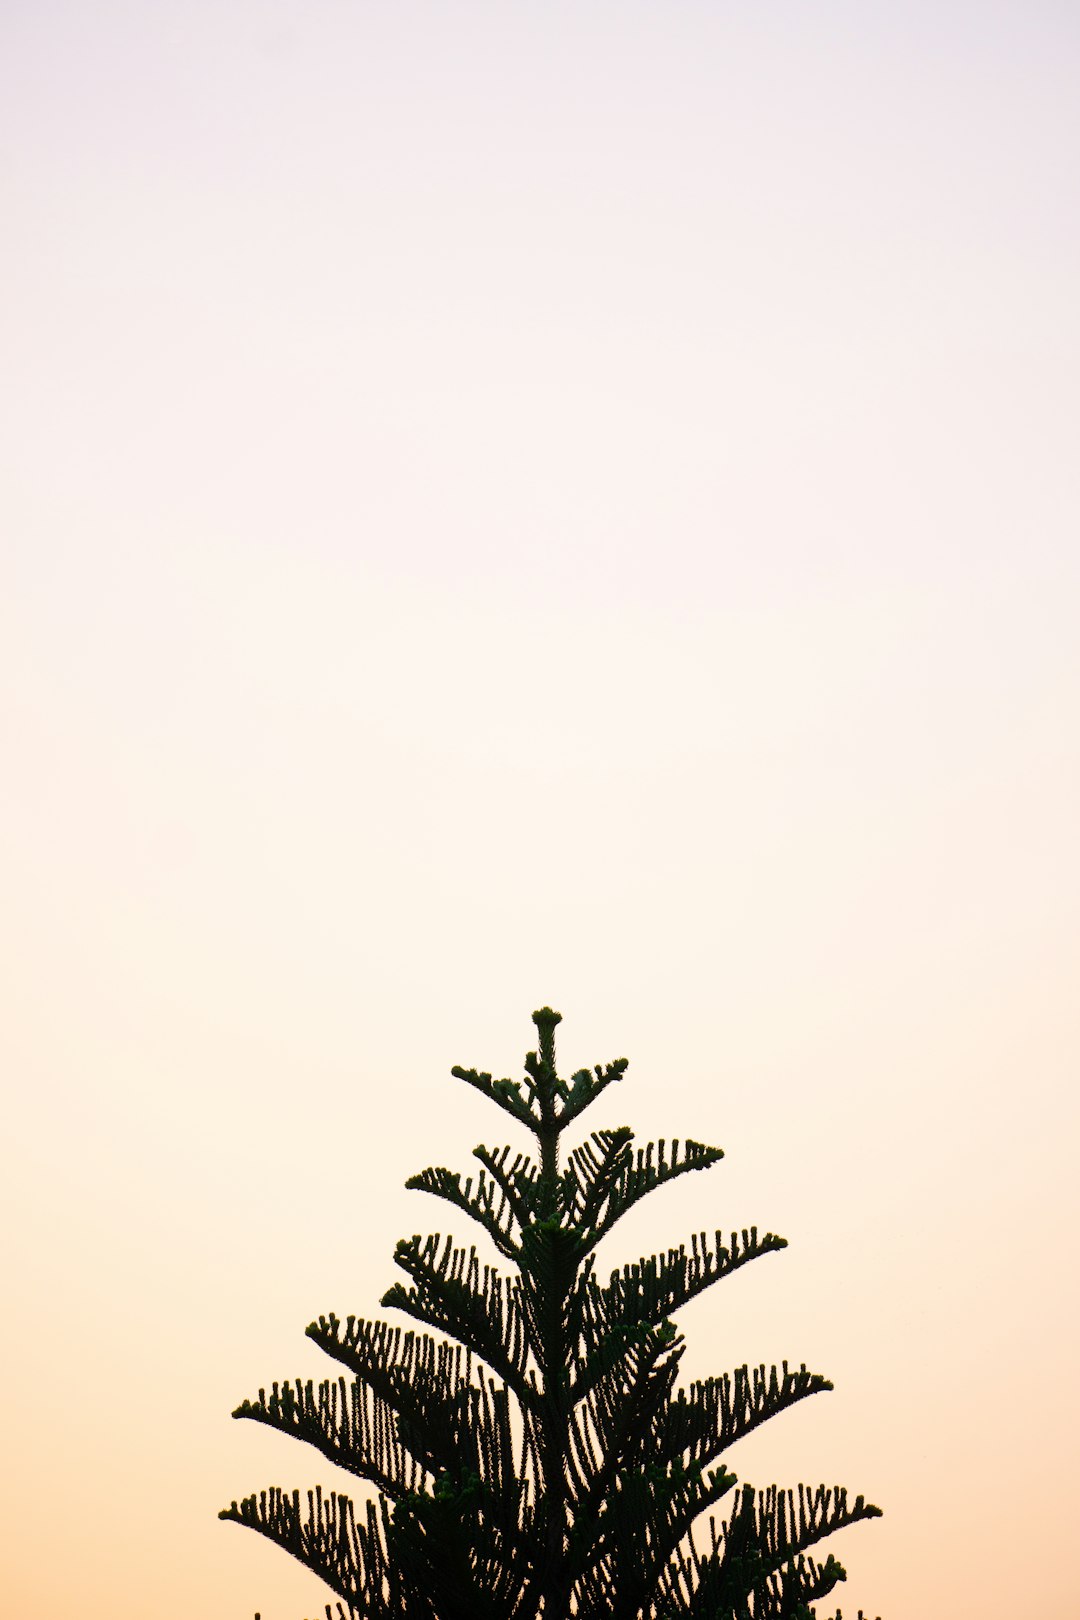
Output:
x,y
531,1454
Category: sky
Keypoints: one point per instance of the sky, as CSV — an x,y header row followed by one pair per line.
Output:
x,y
518,504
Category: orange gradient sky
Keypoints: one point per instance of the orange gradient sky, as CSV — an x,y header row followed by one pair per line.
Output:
x,y
508,504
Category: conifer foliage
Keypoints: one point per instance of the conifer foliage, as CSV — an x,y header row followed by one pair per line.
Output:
x,y
529,1449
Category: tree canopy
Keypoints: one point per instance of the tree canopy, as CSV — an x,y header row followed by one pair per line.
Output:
x,y
527,1448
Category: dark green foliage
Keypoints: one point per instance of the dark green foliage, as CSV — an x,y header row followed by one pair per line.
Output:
x,y
532,1455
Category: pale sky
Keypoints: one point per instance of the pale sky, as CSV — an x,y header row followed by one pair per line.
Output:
x,y
508,504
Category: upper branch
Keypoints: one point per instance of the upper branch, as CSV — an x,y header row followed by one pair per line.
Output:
x,y
759,1547
350,1557
507,1093
475,1305
700,1423
649,1291
655,1286
353,1428
633,1175
487,1202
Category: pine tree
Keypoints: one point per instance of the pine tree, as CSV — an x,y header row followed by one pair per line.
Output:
x,y
530,1452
